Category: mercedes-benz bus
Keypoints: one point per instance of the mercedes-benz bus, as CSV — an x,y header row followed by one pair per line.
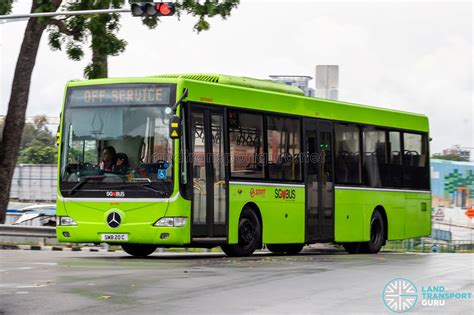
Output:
x,y
199,160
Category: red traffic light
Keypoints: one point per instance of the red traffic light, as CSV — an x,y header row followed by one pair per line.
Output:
x,y
165,8
153,9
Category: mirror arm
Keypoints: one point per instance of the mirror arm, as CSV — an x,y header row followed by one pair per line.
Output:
x,y
183,96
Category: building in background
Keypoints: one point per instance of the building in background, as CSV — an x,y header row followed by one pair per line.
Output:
x,y
327,82
457,150
300,81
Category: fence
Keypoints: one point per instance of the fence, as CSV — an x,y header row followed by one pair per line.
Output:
x,y
430,245
34,182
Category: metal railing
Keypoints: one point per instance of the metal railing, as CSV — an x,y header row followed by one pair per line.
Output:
x,y
27,231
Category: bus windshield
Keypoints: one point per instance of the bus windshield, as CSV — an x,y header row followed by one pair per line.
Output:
x,y
116,141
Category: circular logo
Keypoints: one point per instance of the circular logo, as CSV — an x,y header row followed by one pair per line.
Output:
x,y
400,295
114,219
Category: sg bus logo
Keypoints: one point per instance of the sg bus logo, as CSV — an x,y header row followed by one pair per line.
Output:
x,y
285,194
116,194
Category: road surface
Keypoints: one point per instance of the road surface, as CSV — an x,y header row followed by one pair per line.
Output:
x,y
45,282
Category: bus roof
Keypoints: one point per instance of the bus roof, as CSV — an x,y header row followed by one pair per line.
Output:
x,y
255,94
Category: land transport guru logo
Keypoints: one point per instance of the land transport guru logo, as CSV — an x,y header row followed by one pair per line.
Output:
x,y
400,295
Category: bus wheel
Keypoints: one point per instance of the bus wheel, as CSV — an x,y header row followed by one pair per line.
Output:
x,y
289,249
139,250
249,235
377,234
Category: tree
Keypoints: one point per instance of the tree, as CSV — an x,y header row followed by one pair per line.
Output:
x,y
100,30
450,157
15,118
73,33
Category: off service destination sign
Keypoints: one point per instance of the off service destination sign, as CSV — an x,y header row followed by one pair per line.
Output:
x,y
143,94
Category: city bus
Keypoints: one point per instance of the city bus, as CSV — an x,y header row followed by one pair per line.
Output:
x,y
201,160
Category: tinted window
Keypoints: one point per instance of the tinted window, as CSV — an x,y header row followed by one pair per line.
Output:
x,y
284,148
375,157
415,164
347,157
246,145
395,157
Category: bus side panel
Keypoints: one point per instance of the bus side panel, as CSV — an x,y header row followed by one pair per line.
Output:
x,y
282,210
354,209
418,215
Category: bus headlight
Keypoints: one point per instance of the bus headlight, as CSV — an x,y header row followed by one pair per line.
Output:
x,y
66,221
171,221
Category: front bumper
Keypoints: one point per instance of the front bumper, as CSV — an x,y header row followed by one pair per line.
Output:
x,y
138,233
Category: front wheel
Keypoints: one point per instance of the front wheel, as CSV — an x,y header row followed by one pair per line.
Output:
x,y
289,249
249,235
139,250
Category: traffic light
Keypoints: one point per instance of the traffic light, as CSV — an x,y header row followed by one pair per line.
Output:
x,y
153,9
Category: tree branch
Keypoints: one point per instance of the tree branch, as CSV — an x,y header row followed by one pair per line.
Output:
x,y
62,27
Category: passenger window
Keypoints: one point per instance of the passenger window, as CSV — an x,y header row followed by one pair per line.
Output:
x,y
415,170
395,155
246,145
375,157
347,159
284,148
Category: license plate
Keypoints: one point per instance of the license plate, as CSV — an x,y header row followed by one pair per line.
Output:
x,y
114,237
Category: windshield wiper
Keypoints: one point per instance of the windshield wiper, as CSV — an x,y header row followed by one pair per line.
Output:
x,y
82,182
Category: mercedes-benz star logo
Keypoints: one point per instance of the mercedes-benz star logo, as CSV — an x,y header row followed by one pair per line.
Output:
x,y
114,219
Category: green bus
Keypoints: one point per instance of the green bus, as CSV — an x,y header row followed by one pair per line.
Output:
x,y
200,160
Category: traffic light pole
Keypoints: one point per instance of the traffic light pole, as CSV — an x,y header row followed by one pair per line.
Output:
x,y
57,13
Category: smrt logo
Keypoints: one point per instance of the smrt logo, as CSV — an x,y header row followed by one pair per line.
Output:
x,y
116,194
285,194
257,192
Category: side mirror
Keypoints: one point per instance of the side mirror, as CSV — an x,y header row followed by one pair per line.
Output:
x,y
175,127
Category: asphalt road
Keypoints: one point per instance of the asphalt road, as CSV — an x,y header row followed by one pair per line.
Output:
x,y
44,282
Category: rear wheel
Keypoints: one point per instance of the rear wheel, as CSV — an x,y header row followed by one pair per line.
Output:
x,y
289,249
377,238
139,250
249,235
377,234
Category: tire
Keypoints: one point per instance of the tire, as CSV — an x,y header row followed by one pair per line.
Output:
x,y
377,234
249,235
139,250
288,249
377,238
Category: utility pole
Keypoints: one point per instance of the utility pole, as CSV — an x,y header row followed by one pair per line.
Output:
x,y
19,17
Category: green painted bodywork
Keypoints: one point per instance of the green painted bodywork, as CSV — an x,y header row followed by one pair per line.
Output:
x,y
408,214
283,221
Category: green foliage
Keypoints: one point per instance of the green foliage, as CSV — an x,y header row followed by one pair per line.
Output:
x,y
450,157
100,30
5,7
38,144
38,154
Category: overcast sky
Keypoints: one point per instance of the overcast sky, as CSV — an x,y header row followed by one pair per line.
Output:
x,y
413,56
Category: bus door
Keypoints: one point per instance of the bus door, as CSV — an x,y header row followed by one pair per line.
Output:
x,y
319,181
209,192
